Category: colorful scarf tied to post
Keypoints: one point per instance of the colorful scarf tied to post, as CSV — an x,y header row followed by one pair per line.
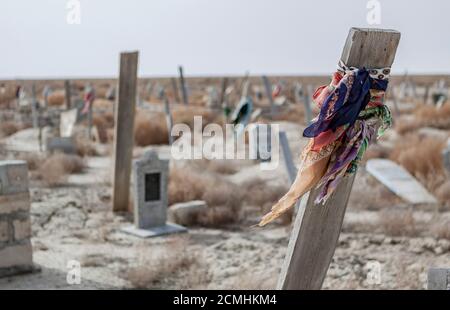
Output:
x,y
352,113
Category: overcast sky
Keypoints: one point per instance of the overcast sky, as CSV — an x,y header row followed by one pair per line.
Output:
x,y
211,37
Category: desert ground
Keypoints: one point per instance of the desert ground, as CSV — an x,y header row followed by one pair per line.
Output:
x,y
71,194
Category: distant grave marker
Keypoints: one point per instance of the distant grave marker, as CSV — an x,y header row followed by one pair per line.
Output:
x,y
150,175
399,181
183,86
268,88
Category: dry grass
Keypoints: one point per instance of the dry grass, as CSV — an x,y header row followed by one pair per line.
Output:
x,y
220,166
222,197
150,130
33,160
8,128
422,158
293,113
85,147
258,194
426,116
103,122
398,223
185,115
154,268
55,169
57,98
441,230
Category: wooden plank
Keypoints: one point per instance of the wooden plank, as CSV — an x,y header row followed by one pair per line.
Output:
x,y
268,88
123,131
183,86
317,227
399,181
68,94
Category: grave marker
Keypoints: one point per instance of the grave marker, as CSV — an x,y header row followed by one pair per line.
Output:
x,y
268,88
68,94
399,181
438,279
169,120
123,131
150,175
316,228
34,107
183,86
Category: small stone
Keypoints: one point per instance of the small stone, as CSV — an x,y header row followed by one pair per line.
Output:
x,y
184,213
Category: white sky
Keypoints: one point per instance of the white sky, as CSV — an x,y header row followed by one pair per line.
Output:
x,y
211,37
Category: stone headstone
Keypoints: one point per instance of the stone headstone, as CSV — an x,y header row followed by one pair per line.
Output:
x,y
150,176
16,254
61,144
186,212
67,122
438,279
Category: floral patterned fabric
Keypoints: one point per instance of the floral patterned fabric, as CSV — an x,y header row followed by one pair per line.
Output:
x,y
352,113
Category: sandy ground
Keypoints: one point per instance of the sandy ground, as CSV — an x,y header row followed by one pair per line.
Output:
x,y
73,222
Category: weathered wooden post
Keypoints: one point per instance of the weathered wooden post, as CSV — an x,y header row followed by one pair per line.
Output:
x,y
307,99
317,227
176,97
34,107
223,90
268,88
183,86
169,120
68,94
123,131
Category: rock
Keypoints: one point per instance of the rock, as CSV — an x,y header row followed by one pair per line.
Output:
x,y
185,213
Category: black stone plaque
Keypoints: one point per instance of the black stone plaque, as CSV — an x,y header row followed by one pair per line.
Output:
x,y
152,186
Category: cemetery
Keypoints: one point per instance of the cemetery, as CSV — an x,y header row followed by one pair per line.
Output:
x,y
93,196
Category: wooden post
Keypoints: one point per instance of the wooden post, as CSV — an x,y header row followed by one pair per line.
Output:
x,y
223,90
183,86
34,107
307,95
176,97
169,120
317,227
123,131
68,94
268,88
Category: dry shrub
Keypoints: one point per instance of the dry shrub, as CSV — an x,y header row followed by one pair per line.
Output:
x,y
150,130
293,113
432,116
259,194
84,147
57,98
8,96
185,115
443,192
222,197
154,269
398,223
441,230
8,128
376,151
55,168
221,166
425,116
421,157
103,122
33,160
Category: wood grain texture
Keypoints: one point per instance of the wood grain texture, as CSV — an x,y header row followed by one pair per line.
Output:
x,y
123,132
317,227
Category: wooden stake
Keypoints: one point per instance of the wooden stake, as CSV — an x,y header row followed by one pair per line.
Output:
x,y
183,86
317,227
268,88
68,94
123,132
169,120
